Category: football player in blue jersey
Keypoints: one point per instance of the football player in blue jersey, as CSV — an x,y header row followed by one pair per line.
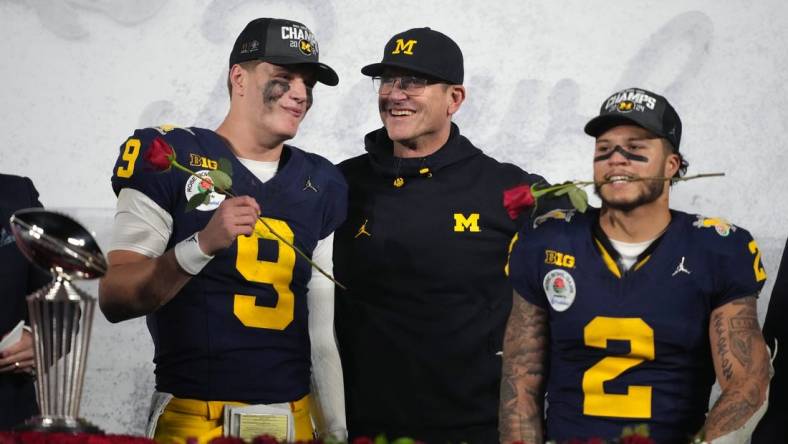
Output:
x,y
624,315
237,317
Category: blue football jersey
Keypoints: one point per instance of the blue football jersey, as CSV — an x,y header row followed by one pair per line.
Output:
x,y
237,331
631,347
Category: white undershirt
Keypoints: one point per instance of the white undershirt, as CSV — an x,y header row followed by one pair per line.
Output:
x,y
142,226
261,169
629,251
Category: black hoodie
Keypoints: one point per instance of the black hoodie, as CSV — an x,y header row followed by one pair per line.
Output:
x,y
420,327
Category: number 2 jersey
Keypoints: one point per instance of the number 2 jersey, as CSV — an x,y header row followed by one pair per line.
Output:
x,y
632,347
238,330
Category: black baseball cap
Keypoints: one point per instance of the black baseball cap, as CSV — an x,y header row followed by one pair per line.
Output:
x,y
281,42
642,108
424,51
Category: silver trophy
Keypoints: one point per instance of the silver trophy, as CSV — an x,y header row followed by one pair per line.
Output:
x,y
61,314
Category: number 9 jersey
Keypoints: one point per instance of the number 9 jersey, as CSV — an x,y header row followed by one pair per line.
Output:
x,y
632,347
238,330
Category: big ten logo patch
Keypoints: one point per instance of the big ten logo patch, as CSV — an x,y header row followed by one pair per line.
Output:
x,y
470,223
557,258
202,161
404,47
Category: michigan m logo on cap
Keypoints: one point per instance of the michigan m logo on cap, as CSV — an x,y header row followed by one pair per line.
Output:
x,y
404,47
626,105
305,47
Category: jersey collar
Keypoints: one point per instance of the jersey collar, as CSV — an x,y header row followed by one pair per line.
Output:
x,y
610,255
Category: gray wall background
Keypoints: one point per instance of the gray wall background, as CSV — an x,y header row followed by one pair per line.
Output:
x,y
80,75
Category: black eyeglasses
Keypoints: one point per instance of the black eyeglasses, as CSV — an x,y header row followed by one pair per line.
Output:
x,y
410,85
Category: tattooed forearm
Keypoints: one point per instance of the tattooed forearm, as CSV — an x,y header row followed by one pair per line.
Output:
x,y
742,364
722,346
732,410
524,373
742,329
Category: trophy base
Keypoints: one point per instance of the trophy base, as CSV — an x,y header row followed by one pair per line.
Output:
x,y
53,424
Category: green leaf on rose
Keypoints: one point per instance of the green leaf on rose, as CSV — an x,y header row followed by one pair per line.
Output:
x,y
225,166
403,441
197,200
221,180
565,188
579,199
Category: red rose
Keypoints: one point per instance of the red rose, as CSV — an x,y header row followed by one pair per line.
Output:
x,y
265,439
363,440
33,438
67,438
159,155
118,439
516,199
226,440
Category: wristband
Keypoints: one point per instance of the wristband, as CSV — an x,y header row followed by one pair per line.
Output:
x,y
189,255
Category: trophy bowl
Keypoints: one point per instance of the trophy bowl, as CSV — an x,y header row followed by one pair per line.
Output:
x,y
61,314
56,242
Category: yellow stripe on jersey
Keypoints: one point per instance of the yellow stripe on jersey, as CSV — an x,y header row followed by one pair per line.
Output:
x,y
509,253
611,264
642,262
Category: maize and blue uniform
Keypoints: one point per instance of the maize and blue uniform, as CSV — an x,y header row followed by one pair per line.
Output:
x,y
238,330
631,347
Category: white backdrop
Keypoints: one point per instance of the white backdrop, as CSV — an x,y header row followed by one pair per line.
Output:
x,y
79,75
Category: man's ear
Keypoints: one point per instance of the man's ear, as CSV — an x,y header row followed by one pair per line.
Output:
x,y
456,95
672,162
237,78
